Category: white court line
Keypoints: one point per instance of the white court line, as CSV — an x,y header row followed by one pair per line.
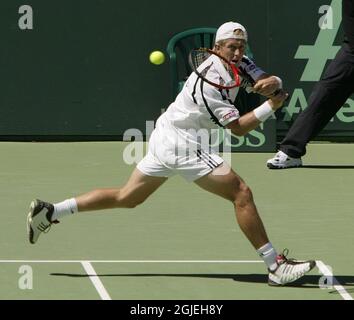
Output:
x,y
327,273
96,280
101,290
132,261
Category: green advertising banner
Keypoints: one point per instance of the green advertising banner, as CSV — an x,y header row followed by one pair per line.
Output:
x,y
262,139
300,51
80,69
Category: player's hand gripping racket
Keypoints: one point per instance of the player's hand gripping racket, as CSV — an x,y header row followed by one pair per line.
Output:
x,y
198,56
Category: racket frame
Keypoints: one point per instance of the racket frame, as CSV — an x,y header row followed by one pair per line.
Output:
x,y
233,67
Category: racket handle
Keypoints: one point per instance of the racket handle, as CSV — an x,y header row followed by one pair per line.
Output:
x,y
276,92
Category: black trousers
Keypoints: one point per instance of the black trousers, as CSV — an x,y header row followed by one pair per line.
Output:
x,y
327,97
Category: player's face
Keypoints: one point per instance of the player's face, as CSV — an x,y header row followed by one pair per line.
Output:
x,y
232,50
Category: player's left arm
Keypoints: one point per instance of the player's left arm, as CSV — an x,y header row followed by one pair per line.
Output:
x,y
260,81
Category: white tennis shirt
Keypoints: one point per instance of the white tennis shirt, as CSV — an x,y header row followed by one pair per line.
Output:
x,y
201,105
180,142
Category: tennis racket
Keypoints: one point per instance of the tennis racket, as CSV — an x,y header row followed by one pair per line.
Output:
x,y
198,56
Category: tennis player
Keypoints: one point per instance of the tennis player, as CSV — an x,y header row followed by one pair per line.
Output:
x,y
176,147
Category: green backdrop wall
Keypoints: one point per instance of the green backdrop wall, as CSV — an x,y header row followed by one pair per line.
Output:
x,y
84,71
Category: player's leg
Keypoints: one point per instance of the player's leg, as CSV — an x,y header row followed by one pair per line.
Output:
x,y
138,188
231,187
149,174
227,184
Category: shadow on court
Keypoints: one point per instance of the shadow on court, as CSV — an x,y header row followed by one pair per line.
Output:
x,y
309,281
315,166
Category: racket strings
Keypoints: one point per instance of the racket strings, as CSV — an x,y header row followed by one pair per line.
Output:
x,y
199,56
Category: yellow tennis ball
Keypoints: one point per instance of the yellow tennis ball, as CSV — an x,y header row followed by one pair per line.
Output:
x,y
157,57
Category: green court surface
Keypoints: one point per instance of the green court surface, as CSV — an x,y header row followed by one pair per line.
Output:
x,y
183,243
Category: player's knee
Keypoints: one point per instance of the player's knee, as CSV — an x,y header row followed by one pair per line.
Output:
x,y
243,195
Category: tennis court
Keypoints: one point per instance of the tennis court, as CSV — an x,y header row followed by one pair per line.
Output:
x,y
183,243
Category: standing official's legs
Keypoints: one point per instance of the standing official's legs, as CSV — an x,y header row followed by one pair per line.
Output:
x,y
327,97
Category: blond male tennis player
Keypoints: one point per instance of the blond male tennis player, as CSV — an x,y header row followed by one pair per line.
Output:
x,y
175,148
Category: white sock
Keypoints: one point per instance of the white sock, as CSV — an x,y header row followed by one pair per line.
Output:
x,y
64,208
268,254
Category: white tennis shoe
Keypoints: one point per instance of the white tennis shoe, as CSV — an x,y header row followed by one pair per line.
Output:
x,y
39,219
282,161
289,270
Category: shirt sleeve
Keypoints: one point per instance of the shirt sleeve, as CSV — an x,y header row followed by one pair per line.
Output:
x,y
219,105
250,72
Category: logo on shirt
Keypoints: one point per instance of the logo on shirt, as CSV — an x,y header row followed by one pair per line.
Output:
x,y
228,116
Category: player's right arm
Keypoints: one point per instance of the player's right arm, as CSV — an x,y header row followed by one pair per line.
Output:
x,y
252,119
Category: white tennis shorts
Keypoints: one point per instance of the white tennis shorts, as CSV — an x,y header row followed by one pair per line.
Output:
x,y
169,154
